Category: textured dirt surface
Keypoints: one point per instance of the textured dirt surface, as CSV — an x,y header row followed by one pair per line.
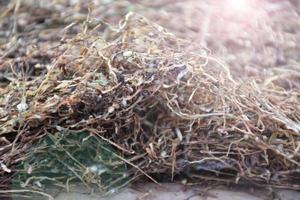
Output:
x,y
178,192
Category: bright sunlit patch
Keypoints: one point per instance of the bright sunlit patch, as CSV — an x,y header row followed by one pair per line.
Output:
x,y
238,5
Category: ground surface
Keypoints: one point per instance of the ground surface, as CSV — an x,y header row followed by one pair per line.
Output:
x,y
178,192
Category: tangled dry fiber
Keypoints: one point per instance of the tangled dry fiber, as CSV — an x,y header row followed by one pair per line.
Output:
x,y
162,104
